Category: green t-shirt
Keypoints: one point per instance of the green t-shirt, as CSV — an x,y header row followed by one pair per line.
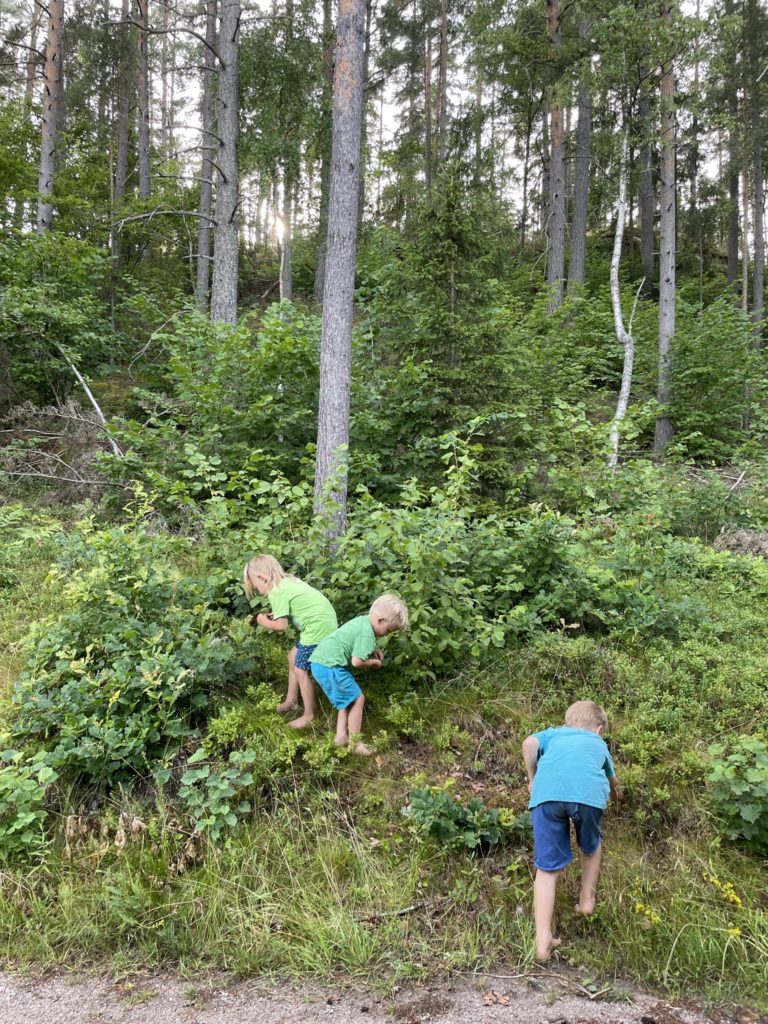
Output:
x,y
311,612
355,639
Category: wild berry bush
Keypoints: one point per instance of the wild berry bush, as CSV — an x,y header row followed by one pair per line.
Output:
x,y
738,782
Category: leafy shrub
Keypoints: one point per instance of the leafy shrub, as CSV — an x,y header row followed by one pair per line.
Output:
x,y
115,686
739,789
212,792
454,825
23,787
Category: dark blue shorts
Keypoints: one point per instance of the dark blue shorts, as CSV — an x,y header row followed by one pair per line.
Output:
x,y
552,832
303,653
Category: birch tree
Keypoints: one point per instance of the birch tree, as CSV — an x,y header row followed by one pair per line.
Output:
x,y
208,111
556,212
336,342
667,254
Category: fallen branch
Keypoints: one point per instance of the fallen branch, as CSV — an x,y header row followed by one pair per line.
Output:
x,y
392,913
113,444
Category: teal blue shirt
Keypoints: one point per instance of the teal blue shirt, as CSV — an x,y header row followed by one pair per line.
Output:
x,y
574,766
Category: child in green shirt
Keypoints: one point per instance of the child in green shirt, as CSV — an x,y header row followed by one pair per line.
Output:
x,y
292,600
354,644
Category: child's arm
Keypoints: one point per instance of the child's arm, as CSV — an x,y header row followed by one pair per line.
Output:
x,y
373,662
530,757
615,787
265,619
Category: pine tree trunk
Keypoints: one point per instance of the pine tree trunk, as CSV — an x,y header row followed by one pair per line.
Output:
x,y
664,428
428,98
364,129
577,265
123,114
647,191
208,112
758,184
336,343
226,235
29,93
545,171
325,160
442,92
52,100
733,166
142,17
556,223
165,117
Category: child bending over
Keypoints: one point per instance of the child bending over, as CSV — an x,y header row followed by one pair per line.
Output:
x,y
354,644
292,600
570,779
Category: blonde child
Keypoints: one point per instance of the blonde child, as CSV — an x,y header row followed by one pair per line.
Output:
x,y
570,779
354,644
292,600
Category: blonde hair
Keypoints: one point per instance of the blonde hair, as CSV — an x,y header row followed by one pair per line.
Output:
x,y
585,714
391,608
268,567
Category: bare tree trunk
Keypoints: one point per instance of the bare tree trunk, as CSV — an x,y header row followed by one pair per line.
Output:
x,y
758,183
664,427
442,91
745,218
526,174
545,170
336,344
576,267
29,91
733,165
142,17
203,277
52,99
428,97
364,129
325,161
556,223
165,117
286,245
226,236
647,192
624,335
121,160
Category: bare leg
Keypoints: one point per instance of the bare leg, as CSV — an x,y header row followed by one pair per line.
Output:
x,y
342,733
590,870
307,688
355,724
543,911
291,701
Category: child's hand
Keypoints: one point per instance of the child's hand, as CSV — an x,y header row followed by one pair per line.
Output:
x,y
262,618
379,655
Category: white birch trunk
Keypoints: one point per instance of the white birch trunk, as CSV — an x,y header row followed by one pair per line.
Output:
x,y
203,276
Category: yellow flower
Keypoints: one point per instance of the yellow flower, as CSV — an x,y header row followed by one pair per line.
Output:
x,y
735,933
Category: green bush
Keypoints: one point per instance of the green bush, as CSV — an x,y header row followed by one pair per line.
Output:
x,y
23,787
469,826
739,789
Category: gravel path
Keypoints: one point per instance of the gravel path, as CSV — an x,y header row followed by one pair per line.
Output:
x,y
168,999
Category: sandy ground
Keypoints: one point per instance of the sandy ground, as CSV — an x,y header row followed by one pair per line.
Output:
x,y
168,999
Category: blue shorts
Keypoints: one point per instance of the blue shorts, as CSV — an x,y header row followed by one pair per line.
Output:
x,y
303,653
552,832
338,685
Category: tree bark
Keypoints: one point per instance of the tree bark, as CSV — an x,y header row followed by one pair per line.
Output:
x,y
325,160
121,159
556,221
733,166
427,97
664,428
442,91
203,276
226,234
144,142
29,92
577,264
286,243
52,100
624,335
336,344
758,184
647,192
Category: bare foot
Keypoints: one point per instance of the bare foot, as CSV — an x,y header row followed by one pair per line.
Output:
x,y
287,706
342,741
543,954
302,722
586,907
363,750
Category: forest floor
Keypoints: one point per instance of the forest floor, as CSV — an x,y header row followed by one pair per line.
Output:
x,y
554,997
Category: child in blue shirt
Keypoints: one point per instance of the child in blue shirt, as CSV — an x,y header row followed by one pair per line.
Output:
x,y
570,779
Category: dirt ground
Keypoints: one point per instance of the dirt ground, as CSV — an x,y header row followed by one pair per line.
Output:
x,y
552,998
